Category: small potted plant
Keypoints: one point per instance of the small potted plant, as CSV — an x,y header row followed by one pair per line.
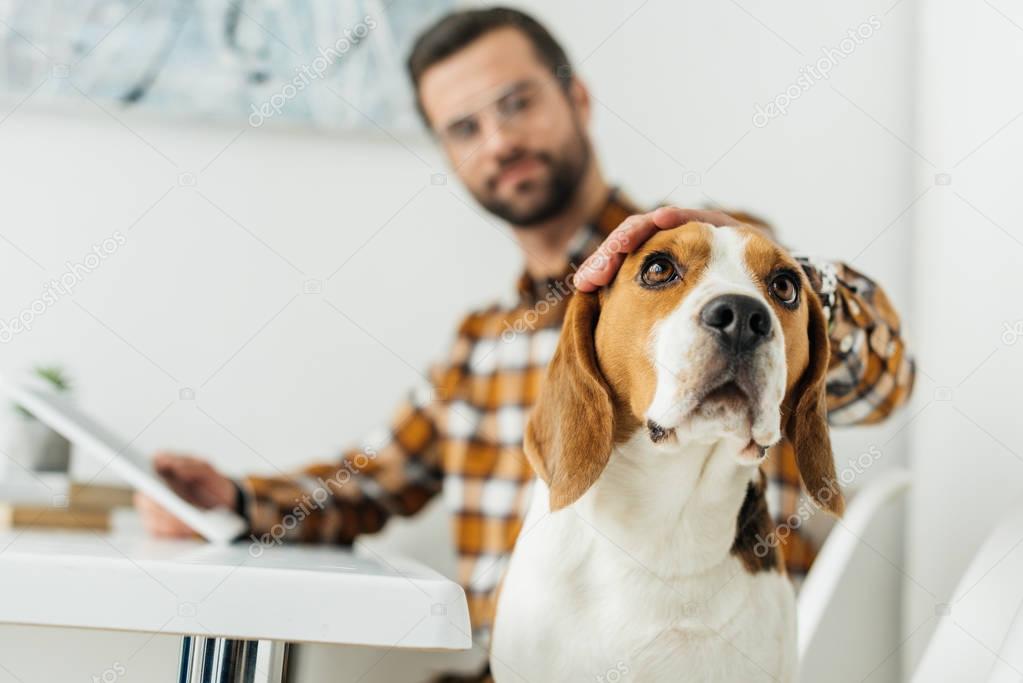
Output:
x,y
29,443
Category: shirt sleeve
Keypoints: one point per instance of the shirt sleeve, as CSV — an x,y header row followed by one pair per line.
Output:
x,y
394,472
870,373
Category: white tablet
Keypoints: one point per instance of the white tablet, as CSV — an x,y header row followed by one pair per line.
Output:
x,y
218,525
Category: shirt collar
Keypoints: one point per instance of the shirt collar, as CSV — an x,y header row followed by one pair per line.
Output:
x,y
615,210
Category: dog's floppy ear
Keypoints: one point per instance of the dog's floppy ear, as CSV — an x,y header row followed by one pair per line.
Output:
x,y
570,432
807,425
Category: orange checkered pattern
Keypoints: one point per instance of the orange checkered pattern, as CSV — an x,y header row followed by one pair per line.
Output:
x,y
463,438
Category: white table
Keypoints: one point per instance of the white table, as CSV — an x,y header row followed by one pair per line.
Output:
x,y
237,607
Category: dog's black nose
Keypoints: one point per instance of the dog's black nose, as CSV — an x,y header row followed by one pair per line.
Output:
x,y
741,322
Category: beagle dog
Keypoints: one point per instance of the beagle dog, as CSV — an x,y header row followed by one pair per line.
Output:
x,y
640,557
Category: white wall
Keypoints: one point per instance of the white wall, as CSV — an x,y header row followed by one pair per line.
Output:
x,y
967,458
207,293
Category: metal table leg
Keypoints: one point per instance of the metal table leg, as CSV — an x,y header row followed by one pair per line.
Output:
x,y
222,660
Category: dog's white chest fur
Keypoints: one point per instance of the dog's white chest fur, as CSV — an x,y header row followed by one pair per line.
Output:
x,y
701,341
636,580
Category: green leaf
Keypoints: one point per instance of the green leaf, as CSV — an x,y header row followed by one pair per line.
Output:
x,y
54,376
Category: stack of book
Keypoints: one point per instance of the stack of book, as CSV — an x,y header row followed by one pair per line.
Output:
x,y
53,501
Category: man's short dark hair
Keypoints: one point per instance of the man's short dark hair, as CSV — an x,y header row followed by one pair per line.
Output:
x,y
457,30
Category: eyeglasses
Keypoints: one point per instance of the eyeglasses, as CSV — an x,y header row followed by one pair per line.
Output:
x,y
508,109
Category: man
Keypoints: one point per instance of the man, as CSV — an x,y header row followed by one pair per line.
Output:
x,y
497,91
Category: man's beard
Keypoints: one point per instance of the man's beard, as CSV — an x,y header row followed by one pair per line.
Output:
x,y
566,173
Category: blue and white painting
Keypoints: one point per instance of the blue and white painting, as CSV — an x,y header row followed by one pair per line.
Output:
x,y
325,63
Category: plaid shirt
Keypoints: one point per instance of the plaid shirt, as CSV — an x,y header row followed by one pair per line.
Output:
x,y
464,436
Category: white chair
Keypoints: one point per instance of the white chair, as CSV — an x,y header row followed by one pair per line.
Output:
x,y
981,636
849,608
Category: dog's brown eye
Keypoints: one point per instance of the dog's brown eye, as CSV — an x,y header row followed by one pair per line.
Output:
x,y
658,271
785,289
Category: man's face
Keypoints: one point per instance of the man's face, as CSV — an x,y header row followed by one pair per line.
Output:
x,y
511,132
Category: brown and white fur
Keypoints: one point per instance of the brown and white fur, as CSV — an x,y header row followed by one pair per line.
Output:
x,y
636,560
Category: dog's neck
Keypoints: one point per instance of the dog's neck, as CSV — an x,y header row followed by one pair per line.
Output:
x,y
672,507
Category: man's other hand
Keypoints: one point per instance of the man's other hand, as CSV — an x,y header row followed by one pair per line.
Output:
x,y
194,480
600,268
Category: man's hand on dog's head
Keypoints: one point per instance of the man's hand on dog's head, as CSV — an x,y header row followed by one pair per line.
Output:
x,y
600,268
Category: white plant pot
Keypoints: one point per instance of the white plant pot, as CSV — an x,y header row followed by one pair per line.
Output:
x,y
31,445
